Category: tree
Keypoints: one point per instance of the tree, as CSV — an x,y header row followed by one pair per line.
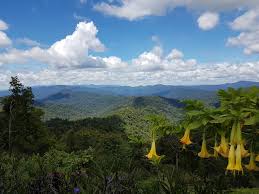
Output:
x,y
23,121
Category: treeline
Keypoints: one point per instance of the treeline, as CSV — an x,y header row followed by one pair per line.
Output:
x,y
101,155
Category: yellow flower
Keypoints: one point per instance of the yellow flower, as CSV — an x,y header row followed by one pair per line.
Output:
x,y
244,152
252,166
204,153
215,154
152,153
238,166
231,158
186,138
223,148
257,158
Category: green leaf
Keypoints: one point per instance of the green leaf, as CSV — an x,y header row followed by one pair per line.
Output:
x,y
252,120
194,125
194,113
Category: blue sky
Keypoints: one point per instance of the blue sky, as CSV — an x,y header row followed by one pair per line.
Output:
x,y
135,39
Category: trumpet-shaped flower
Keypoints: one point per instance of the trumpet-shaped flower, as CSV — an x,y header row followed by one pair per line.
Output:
x,y
204,152
223,148
252,166
186,138
215,154
238,165
244,152
231,158
152,153
257,158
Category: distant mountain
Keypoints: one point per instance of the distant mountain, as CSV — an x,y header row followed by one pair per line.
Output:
x,y
241,84
176,92
73,102
78,105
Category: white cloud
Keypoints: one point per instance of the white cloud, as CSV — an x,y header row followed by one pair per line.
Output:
x,y
80,18
83,1
149,61
180,73
4,40
248,25
175,54
72,51
208,20
3,25
138,9
155,60
221,5
114,62
248,21
70,63
28,42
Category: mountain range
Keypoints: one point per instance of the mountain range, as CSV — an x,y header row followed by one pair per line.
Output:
x,y
170,91
76,102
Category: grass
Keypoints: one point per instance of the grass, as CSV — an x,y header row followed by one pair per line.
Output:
x,y
247,191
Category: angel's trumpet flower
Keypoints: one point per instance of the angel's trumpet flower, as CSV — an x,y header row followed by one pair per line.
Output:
x,y
238,165
252,166
231,158
204,152
215,154
244,152
186,138
223,148
152,153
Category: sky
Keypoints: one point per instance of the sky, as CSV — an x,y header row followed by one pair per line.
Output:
x,y
129,42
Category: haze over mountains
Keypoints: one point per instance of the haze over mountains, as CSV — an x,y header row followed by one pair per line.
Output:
x,y
77,102
178,92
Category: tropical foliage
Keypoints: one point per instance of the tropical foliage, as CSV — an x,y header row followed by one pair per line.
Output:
x,y
237,117
130,150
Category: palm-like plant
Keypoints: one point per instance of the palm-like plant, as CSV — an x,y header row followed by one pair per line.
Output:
x,y
238,110
237,116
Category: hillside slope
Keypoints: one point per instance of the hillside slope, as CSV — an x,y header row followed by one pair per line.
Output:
x,y
78,105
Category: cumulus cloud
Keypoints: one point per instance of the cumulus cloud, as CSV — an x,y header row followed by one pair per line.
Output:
x,y
114,62
138,9
70,62
208,20
221,5
248,25
72,51
178,74
4,40
3,25
175,54
149,61
156,60
28,42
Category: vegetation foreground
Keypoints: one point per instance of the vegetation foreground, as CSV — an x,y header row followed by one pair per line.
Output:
x,y
207,150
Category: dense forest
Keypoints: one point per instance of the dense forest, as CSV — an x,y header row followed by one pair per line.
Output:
x,y
135,149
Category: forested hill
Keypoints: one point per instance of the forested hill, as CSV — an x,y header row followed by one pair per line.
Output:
x,y
78,105
78,102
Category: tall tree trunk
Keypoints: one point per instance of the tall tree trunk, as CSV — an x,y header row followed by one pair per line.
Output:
x,y
10,128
